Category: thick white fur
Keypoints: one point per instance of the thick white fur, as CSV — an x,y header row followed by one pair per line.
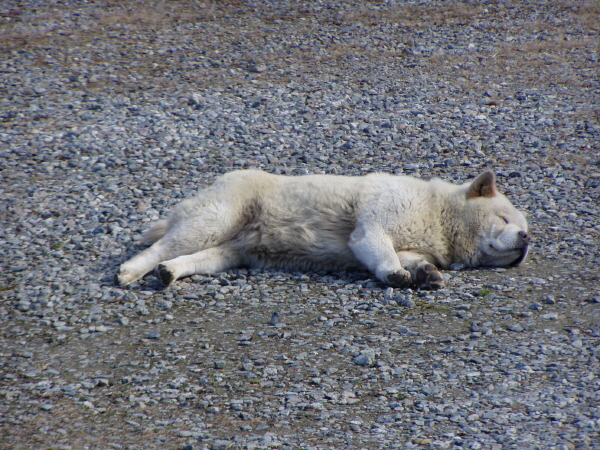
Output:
x,y
400,228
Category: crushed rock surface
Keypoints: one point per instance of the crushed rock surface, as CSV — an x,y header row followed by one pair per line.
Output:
x,y
112,112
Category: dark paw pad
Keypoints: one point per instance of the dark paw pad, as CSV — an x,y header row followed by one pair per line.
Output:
x,y
398,279
428,277
165,275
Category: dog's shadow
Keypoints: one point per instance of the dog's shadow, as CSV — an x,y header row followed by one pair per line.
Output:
x,y
150,282
110,266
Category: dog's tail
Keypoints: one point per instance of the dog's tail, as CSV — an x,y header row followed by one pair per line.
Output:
x,y
155,232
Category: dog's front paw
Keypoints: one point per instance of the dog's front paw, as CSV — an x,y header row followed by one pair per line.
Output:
x,y
398,279
428,277
165,275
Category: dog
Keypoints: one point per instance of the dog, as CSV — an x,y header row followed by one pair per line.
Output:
x,y
400,228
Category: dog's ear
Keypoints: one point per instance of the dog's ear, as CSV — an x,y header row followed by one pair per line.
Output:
x,y
483,186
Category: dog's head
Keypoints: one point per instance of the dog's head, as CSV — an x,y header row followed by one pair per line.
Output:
x,y
501,229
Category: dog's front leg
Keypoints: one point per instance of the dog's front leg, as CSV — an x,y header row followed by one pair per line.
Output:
x,y
374,248
424,274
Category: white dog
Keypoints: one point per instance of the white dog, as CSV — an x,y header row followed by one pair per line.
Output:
x,y
398,227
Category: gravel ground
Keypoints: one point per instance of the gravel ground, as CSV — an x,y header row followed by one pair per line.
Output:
x,y
112,112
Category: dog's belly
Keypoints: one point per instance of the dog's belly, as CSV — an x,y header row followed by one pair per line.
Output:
x,y
299,240
301,261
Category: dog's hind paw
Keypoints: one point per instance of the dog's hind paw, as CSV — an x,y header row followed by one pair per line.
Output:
x,y
398,279
428,277
123,277
165,275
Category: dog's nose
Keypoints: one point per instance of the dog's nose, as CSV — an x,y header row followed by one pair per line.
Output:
x,y
524,236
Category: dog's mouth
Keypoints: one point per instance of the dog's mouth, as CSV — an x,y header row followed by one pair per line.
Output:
x,y
521,257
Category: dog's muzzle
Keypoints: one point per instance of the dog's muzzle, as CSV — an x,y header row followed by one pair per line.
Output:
x,y
526,238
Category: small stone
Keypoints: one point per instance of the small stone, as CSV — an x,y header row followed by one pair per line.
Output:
x,y
548,300
515,327
457,266
164,304
407,303
122,321
550,316
195,98
577,343
219,364
221,444
364,360
102,382
153,335
257,68
522,366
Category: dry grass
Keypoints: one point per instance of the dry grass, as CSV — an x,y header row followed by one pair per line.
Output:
x,y
232,24
30,27
584,12
448,13
162,12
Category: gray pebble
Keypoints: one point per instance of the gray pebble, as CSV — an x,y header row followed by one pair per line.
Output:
x,y
407,303
221,444
548,300
363,360
219,364
257,68
274,320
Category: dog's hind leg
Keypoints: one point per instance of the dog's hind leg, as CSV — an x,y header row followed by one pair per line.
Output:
x,y
196,224
144,262
211,260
